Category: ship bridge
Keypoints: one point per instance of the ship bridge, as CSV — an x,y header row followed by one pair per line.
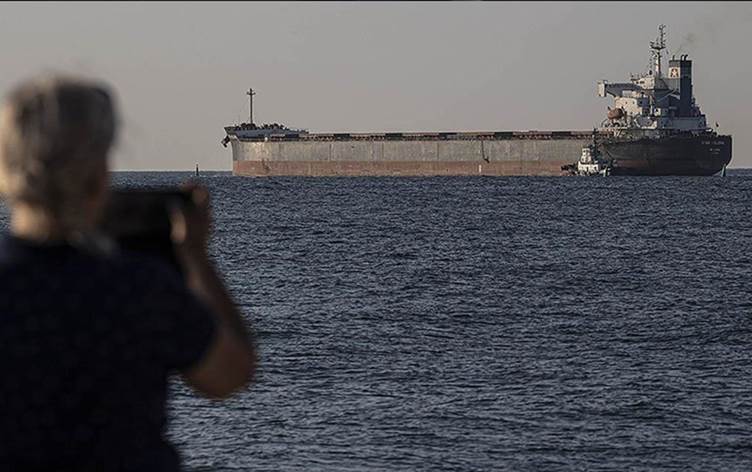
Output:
x,y
654,102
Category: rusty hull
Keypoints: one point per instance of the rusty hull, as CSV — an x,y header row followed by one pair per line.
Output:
x,y
397,168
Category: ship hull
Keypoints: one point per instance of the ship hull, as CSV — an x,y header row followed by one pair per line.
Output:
x,y
416,155
395,168
699,155
496,154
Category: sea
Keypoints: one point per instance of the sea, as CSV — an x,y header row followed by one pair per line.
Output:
x,y
481,323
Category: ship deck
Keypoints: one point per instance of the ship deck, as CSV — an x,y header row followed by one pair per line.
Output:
x,y
423,136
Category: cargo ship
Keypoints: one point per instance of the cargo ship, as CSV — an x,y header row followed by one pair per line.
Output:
x,y
655,127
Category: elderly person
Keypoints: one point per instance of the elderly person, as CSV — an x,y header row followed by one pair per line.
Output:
x,y
88,338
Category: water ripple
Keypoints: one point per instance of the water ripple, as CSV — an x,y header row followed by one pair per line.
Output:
x,y
482,323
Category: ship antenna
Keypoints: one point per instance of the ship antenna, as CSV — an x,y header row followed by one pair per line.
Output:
x,y
658,46
250,94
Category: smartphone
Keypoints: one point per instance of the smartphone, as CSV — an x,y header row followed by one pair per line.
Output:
x,y
138,219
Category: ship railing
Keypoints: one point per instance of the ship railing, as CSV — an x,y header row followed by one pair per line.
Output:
x,y
430,136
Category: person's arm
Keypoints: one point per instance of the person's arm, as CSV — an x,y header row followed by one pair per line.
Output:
x,y
230,361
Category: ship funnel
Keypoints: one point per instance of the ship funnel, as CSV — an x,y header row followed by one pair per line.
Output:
x,y
680,78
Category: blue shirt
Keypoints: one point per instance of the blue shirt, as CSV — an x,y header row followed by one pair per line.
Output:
x,y
87,343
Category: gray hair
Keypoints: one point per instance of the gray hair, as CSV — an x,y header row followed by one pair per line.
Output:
x,y
55,135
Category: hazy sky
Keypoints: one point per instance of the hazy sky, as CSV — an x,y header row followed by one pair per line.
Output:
x,y
181,69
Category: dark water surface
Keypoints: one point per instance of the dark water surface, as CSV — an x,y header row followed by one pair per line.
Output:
x,y
482,324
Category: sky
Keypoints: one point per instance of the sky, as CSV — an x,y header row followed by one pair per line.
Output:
x,y
180,70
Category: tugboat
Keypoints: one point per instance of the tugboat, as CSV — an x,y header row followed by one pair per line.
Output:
x,y
591,162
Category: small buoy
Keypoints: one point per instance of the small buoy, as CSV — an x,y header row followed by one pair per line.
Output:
x,y
196,170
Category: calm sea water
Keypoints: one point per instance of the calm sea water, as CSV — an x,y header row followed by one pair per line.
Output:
x,y
482,324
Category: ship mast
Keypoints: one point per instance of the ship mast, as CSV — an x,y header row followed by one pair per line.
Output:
x,y
250,94
657,47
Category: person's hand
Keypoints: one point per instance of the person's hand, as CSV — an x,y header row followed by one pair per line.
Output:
x,y
191,227
229,363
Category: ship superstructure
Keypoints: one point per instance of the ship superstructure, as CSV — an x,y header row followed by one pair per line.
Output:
x,y
654,104
656,126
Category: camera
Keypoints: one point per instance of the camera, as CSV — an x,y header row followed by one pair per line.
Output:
x,y
138,219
